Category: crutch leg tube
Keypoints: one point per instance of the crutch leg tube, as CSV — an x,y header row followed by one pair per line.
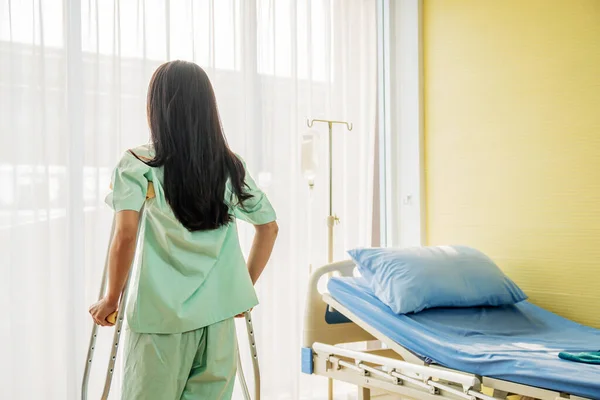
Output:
x,y
242,378
255,366
254,354
94,334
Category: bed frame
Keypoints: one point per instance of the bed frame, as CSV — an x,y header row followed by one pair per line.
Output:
x,y
329,327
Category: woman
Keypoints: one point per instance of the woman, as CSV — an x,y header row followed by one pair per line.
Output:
x,y
190,278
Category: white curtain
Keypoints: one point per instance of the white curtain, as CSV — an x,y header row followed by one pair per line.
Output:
x,y
73,79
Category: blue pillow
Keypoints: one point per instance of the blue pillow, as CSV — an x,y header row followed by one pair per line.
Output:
x,y
414,279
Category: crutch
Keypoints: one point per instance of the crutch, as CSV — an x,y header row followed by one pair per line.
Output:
x,y
115,318
254,355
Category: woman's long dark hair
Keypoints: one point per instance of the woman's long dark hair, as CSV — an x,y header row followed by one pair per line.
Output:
x,y
190,146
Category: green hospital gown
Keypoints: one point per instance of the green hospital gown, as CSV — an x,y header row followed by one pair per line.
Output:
x,y
183,280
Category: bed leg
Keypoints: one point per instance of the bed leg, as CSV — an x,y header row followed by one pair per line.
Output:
x,y
364,393
500,394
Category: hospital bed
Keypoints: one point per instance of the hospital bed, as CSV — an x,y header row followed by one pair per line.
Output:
x,y
473,353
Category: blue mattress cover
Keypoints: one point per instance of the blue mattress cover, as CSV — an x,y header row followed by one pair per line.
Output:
x,y
517,343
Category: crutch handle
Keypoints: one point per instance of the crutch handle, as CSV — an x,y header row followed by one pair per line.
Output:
x,y
150,193
112,318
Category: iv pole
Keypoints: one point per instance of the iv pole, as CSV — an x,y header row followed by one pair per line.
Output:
x,y
332,219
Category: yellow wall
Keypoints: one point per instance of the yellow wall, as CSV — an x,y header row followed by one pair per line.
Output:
x,y
512,141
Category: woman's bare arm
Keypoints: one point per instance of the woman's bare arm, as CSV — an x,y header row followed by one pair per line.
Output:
x,y
262,246
120,257
122,252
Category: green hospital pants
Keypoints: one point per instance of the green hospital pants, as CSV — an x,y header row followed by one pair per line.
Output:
x,y
195,365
